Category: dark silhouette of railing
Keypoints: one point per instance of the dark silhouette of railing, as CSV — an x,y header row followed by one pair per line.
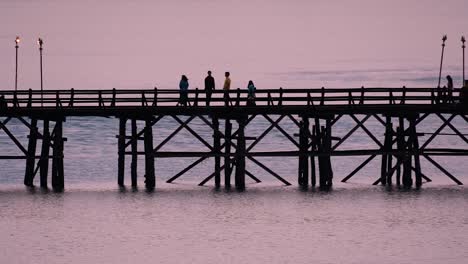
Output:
x,y
197,98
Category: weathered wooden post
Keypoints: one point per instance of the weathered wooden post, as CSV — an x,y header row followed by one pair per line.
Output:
x,y
44,160
400,148
134,151
407,156
57,159
31,156
313,177
150,179
415,148
217,151
303,171
324,148
384,177
327,148
121,151
240,156
227,153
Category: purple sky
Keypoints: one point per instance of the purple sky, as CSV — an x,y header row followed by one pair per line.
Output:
x,y
290,43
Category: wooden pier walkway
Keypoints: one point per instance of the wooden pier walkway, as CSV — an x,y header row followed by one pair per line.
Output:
x,y
314,112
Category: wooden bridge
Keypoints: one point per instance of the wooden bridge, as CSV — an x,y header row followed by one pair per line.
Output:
x,y
314,112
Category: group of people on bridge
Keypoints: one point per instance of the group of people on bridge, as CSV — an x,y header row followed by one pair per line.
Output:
x,y
210,86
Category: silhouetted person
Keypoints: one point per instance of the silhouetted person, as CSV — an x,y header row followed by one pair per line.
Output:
x,y
183,86
226,87
251,94
449,89
209,87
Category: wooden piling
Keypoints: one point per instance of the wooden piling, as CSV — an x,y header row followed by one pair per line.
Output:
x,y
31,155
313,176
227,152
217,150
327,149
415,148
407,148
44,159
134,150
400,147
57,160
240,156
303,171
150,180
389,147
121,151
385,154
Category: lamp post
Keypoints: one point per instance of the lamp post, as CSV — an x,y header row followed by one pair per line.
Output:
x,y
17,41
463,47
40,42
444,38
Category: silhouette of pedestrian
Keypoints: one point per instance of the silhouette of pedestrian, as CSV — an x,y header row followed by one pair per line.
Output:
x,y
449,89
183,93
209,87
226,87
251,94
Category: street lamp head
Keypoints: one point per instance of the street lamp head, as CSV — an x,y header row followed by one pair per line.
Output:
x,y
17,40
444,38
463,39
40,42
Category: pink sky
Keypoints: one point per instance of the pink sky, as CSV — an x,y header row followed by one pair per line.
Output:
x,y
293,43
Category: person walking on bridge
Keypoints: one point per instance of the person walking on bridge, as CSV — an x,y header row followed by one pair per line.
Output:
x,y
227,87
209,87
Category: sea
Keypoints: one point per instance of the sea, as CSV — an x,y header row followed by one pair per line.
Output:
x,y
95,221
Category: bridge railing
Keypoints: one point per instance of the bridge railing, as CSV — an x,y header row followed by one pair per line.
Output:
x,y
237,97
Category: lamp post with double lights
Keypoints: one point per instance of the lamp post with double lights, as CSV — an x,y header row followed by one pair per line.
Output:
x,y
463,48
444,38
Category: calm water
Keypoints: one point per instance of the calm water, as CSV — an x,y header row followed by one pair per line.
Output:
x,y
183,224
95,222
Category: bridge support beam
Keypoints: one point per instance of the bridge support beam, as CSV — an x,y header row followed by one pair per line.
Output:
x,y
240,156
303,175
385,175
121,151
58,181
44,159
134,151
324,147
227,157
31,155
217,152
150,179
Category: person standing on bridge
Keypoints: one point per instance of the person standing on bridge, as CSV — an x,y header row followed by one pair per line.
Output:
x,y
226,87
209,87
449,89
251,94
183,93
